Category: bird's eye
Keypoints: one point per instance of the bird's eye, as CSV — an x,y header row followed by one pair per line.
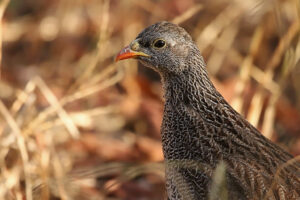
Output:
x,y
159,43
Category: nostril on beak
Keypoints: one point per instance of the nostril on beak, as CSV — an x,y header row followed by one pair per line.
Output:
x,y
135,45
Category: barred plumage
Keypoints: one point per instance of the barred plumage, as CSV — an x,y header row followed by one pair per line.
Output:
x,y
200,129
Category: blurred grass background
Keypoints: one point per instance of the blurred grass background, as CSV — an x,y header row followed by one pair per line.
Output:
x,y
76,125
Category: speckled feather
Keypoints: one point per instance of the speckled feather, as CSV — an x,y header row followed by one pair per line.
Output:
x,y
200,129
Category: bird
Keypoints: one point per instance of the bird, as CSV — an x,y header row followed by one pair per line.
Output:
x,y
200,129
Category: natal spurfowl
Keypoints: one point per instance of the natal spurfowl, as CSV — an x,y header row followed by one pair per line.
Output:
x,y
200,129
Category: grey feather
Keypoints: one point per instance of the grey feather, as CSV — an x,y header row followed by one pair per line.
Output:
x,y
200,129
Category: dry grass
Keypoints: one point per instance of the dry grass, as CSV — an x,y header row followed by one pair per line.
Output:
x,y
76,125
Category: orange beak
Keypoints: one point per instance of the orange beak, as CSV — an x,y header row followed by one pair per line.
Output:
x,y
127,53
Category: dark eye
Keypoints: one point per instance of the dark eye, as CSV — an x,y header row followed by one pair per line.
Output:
x,y
159,43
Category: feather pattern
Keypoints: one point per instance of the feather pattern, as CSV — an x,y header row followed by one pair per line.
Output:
x,y
200,129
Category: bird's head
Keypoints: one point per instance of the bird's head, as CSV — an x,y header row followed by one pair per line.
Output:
x,y
163,46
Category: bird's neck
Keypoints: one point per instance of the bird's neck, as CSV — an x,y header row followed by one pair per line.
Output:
x,y
191,86
194,111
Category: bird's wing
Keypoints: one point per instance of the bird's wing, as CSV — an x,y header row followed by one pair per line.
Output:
x,y
283,184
